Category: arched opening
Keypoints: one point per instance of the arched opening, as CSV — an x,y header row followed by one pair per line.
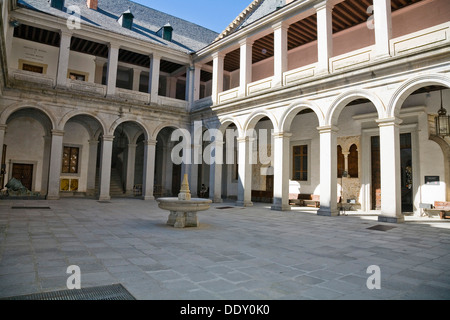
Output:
x,y
304,157
262,182
358,173
127,160
79,168
424,156
26,149
230,167
168,175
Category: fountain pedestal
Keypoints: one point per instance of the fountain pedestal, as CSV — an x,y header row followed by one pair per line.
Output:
x,y
183,210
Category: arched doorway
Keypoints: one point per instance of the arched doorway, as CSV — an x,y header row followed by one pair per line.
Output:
x,y
79,171
26,149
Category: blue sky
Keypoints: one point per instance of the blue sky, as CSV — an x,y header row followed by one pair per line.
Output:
x,y
212,14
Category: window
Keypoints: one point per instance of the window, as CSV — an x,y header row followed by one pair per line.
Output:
x,y
32,68
300,163
70,160
76,76
340,162
353,161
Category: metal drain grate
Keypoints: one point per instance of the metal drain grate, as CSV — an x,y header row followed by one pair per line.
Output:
x,y
110,292
224,207
27,207
380,227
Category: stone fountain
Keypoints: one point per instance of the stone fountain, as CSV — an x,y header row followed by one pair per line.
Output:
x,y
183,210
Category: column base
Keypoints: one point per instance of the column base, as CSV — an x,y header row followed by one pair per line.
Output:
x,y
51,197
277,207
328,212
104,198
148,198
244,203
390,219
219,200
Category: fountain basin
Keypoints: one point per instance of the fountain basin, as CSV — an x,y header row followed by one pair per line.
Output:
x,y
183,213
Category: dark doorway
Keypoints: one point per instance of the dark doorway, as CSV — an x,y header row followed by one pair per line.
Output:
x,y
376,176
24,173
406,172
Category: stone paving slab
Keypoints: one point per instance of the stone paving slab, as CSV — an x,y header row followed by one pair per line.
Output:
x,y
237,253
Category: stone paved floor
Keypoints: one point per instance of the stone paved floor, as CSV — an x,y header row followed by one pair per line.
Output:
x,y
236,253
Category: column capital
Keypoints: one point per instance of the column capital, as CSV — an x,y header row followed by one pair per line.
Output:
x,y
56,132
327,4
280,25
65,33
155,55
93,142
113,45
108,137
281,134
3,127
246,41
328,129
245,139
218,55
385,122
150,142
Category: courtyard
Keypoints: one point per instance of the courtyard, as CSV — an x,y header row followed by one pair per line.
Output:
x,y
236,253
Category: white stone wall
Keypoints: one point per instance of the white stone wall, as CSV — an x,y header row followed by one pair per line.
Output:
x,y
25,144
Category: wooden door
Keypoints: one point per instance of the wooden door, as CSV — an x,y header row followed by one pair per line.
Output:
x,y
376,175
24,173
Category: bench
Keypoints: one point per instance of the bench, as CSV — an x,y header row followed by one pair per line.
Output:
x,y
441,207
304,199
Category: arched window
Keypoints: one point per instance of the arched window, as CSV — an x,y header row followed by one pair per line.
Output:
x,y
353,162
340,162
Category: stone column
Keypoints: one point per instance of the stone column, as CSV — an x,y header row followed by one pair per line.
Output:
x,y
217,80
105,169
245,172
136,79
92,167
324,35
215,173
131,161
383,27
391,201
46,162
245,75
99,64
63,59
328,171
345,154
153,81
281,153
190,70
280,58
149,169
111,71
197,76
55,164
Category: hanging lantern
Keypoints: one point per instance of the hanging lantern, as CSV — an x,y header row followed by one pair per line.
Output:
x,y
442,122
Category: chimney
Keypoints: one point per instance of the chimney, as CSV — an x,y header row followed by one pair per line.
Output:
x,y
92,4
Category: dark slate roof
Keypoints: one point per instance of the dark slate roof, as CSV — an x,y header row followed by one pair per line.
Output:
x,y
187,37
265,7
257,10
